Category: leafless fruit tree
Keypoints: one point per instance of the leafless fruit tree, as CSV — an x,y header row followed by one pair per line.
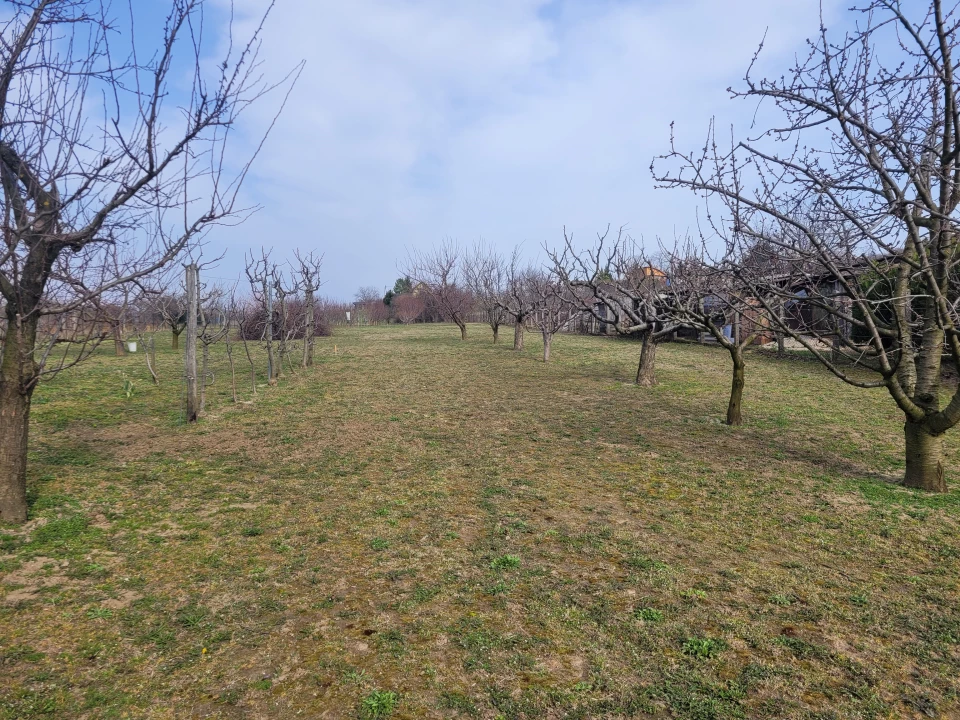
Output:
x,y
618,285
485,273
308,272
260,274
172,309
439,273
702,295
407,307
93,156
859,187
213,326
551,309
288,325
518,301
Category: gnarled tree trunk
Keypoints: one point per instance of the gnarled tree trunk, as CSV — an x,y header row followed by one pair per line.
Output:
x,y
924,458
734,416
17,370
646,370
547,341
175,344
518,335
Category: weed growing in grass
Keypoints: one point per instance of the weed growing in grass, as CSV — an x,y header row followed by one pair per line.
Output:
x,y
703,647
379,544
505,562
378,704
648,614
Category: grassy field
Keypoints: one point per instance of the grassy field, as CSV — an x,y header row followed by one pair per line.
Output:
x,y
424,528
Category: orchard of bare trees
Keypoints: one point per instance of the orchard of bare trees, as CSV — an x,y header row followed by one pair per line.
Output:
x,y
96,162
835,228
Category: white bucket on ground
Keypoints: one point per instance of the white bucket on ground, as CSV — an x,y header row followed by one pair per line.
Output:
x,y
132,346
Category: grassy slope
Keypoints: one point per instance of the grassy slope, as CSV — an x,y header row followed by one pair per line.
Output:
x,y
482,535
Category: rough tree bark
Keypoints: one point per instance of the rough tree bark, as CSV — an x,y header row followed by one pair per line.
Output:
x,y
646,370
924,456
518,335
17,381
547,341
734,416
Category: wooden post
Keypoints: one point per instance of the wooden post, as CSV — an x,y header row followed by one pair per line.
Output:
x,y
190,353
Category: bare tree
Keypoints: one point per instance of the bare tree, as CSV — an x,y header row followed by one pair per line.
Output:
x,y
704,296
213,325
439,273
620,287
172,308
308,268
518,301
551,310
485,274
407,307
260,276
858,188
370,306
92,157
288,325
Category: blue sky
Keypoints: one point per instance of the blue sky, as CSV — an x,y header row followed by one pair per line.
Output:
x,y
416,120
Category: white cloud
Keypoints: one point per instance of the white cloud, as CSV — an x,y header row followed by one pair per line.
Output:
x,y
506,119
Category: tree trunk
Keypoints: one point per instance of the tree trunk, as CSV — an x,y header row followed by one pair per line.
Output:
x,y
463,330
496,334
736,390
118,340
176,340
14,422
16,389
781,346
646,370
518,335
547,340
924,459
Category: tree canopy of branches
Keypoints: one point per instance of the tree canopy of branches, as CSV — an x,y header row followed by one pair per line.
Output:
x,y
518,301
94,158
618,285
703,296
551,310
485,275
439,272
861,178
